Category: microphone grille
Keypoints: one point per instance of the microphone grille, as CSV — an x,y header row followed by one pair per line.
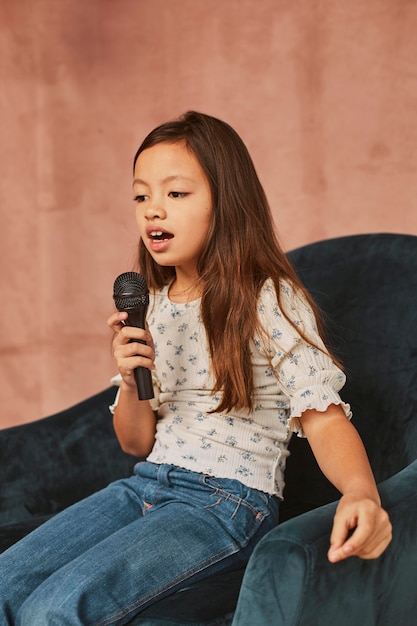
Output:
x,y
129,291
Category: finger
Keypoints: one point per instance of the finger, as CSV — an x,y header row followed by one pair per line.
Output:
x,y
371,546
149,341
377,549
338,553
131,355
131,334
133,349
342,525
340,544
116,321
352,546
372,534
128,366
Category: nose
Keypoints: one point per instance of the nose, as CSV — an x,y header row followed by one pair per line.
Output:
x,y
155,210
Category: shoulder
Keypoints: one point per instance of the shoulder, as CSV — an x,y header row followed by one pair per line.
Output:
x,y
289,297
288,305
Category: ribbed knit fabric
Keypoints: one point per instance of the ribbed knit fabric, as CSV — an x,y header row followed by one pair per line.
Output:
x,y
290,376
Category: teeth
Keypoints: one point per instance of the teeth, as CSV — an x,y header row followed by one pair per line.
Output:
x,y
157,234
160,235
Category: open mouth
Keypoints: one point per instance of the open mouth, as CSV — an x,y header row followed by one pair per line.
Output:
x,y
160,235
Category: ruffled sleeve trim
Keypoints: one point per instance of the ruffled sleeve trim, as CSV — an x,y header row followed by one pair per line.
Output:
x,y
319,398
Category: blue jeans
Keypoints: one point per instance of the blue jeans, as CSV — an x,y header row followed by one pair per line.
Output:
x,y
106,558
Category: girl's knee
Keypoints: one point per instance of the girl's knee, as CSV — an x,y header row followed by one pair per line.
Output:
x,y
39,610
33,613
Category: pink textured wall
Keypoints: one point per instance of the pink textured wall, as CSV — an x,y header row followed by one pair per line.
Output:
x,y
324,93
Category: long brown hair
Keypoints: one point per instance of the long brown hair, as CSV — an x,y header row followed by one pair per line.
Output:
x,y
241,251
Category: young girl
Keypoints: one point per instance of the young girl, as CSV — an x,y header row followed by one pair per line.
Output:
x,y
238,365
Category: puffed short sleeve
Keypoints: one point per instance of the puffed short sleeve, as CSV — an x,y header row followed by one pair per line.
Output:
x,y
305,372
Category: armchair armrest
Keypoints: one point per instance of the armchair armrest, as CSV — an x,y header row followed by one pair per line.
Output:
x,y
289,580
49,464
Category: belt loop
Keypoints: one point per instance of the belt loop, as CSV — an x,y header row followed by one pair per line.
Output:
x,y
163,475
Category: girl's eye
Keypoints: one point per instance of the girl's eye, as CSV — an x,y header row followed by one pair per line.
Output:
x,y
178,194
140,198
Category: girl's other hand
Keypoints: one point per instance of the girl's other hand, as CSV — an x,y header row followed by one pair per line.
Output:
x,y
369,525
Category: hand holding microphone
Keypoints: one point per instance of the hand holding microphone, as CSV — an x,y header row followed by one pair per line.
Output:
x,y
130,294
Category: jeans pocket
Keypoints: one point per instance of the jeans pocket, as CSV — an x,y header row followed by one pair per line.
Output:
x,y
240,510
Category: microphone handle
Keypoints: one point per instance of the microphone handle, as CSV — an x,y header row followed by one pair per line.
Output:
x,y
143,378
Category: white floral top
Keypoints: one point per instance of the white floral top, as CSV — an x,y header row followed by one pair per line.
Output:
x,y
290,376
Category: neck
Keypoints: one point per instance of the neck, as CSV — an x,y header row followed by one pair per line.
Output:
x,y
183,291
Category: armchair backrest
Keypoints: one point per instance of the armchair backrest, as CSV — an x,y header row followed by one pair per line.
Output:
x,y
366,286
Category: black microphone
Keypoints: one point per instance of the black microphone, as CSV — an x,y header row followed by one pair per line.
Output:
x,y
131,295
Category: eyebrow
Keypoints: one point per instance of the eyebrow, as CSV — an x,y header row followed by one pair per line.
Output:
x,y
168,179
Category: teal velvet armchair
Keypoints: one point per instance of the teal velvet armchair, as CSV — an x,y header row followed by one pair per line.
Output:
x,y
366,286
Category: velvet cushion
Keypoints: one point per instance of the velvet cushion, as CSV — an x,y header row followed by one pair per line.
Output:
x,y
49,464
11,533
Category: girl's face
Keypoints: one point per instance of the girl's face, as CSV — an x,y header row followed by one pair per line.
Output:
x,y
173,206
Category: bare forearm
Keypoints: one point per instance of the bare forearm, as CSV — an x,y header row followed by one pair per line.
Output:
x,y
340,452
134,423
360,526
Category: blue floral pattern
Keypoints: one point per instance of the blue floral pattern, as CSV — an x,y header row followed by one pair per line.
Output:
x,y
290,376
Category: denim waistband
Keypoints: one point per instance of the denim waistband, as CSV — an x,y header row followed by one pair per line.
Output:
x,y
169,476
